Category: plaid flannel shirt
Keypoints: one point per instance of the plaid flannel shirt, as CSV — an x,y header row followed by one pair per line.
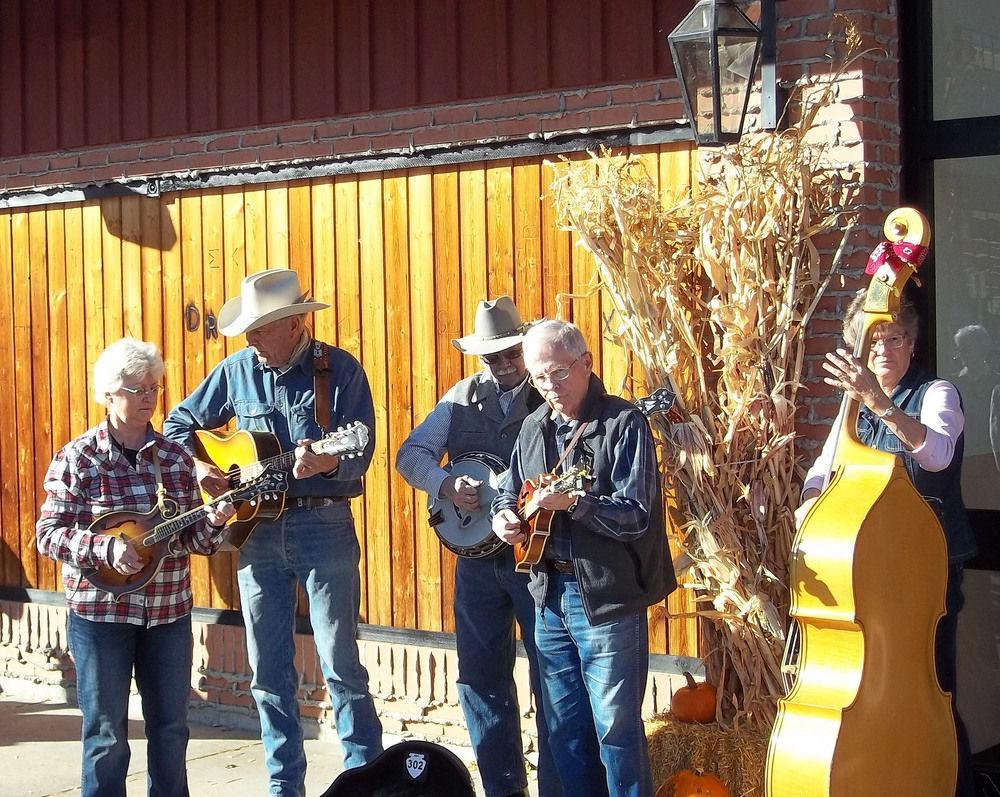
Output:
x,y
90,477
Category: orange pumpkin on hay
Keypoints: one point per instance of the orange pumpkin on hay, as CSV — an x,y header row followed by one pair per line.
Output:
x,y
694,702
691,783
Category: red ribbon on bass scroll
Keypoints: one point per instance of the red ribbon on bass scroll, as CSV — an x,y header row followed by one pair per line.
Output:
x,y
895,254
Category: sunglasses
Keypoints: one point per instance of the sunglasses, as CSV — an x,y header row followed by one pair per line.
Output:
x,y
513,353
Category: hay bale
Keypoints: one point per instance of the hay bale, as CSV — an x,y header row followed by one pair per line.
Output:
x,y
736,757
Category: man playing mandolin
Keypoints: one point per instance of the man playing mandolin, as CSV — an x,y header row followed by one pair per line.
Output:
x,y
605,562
295,388
483,414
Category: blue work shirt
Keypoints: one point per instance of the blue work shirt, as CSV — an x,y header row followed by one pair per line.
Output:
x,y
282,402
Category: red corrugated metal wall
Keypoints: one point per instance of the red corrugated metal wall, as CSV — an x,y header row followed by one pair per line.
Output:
x,y
77,73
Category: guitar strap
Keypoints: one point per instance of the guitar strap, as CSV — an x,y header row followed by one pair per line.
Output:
x,y
321,383
168,506
572,444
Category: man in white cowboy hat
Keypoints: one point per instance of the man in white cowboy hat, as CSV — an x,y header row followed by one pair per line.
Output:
x,y
483,414
297,389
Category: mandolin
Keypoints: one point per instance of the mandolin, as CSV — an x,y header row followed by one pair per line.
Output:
x,y
537,522
242,456
149,533
865,715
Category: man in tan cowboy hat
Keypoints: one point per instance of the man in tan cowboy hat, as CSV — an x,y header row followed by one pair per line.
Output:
x,y
296,388
482,415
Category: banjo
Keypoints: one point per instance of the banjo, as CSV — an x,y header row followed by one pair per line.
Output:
x,y
470,534
464,533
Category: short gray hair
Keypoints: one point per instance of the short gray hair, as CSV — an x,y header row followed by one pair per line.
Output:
x,y
561,334
125,357
907,317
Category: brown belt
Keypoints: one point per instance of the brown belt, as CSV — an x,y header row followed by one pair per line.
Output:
x,y
563,566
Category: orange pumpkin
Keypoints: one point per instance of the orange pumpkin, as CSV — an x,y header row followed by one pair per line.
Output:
x,y
694,702
689,783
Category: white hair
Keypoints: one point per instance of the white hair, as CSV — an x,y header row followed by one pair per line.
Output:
x,y
558,334
125,357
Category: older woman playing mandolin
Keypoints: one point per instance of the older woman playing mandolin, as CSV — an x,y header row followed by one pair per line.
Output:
x,y
118,465
905,411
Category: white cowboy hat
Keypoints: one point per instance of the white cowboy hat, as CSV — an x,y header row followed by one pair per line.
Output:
x,y
498,326
265,297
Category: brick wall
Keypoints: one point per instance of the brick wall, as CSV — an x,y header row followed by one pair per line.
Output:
x,y
863,128
532,116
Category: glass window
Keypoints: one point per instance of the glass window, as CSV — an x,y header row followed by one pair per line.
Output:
x,y
967,307
966,42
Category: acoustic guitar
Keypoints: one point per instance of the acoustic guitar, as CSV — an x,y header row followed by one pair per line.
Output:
x,y
537,522
242,456
149,533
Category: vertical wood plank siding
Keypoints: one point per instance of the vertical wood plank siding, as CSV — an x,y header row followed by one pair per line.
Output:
x,y
401,257
89,72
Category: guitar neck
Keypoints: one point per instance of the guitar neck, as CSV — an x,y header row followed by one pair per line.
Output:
x,y
286,460
168,528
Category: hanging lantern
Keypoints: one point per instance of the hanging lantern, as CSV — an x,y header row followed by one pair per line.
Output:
x,y
715,51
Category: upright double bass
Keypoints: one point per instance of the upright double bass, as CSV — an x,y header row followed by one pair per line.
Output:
x,y
866,716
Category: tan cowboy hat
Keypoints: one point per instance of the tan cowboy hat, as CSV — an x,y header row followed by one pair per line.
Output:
x,y
265,297
498,326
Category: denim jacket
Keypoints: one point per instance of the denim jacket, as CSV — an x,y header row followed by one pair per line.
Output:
x,y
265,399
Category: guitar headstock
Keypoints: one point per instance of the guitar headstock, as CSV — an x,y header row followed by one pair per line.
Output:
x,y
661,401
346,442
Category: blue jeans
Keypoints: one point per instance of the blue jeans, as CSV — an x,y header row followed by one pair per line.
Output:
x,y
593,682
317,548
106,655
489,595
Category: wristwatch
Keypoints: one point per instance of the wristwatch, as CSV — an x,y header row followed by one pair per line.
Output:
x,y
891,412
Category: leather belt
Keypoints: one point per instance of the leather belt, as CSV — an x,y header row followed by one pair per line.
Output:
x,y
563,566
313,501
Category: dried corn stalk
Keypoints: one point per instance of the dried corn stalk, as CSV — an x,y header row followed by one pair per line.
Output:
x,y
712,293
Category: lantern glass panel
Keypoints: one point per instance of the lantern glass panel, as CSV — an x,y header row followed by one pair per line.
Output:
x,y
737,58
694,58
732,20
698,22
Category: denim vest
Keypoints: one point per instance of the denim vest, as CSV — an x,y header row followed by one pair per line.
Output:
x,y
478,422
942,489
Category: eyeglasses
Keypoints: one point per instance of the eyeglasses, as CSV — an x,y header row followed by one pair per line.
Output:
x,y
513,353
889,342
142,392
553,376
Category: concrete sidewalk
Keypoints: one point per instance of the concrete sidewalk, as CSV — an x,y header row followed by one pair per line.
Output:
x,y
40,754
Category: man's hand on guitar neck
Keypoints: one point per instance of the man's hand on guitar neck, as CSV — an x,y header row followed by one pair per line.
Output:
x,y
507,526
553,500
212,480
308,463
